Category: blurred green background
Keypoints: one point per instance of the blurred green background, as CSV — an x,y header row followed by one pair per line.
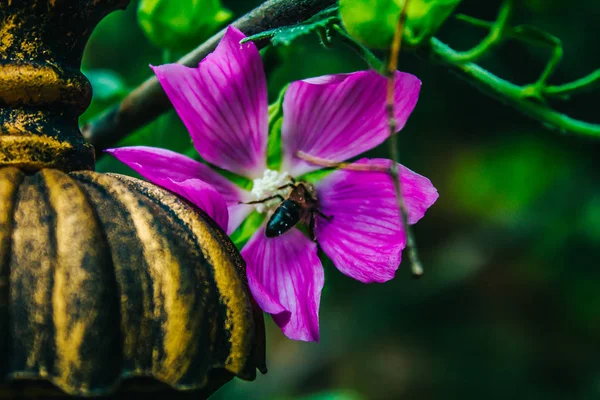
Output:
x,y
509,306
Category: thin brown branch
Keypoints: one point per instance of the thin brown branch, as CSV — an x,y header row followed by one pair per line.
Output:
x,y
411,246
148,100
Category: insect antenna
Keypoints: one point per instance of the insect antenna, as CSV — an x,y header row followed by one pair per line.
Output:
x,y
277,196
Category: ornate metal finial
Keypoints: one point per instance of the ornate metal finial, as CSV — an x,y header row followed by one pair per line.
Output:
x,y
104,279
42,91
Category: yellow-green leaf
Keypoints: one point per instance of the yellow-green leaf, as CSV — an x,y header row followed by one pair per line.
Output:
x,y
373,22
181,24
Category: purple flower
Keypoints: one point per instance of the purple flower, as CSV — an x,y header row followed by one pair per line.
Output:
x,y
223,104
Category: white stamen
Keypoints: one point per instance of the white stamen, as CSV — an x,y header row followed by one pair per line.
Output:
x,y
267,186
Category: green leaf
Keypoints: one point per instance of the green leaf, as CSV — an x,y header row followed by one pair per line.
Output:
x,y
335,395
167,132
245,231
181,24
332,395
425,17
315,176
108,88
106,84
373,22
590,219
275,124
502,181
241,181
286,35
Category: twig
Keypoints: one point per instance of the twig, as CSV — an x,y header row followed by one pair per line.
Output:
x,y
392,66
493,38
588,82
530,98
517,96
148,100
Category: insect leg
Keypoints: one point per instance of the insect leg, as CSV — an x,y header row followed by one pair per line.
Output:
x,y
277,196
287,185
311,227
327,217
291,184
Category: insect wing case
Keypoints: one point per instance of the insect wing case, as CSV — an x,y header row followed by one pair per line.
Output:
x,y
105,280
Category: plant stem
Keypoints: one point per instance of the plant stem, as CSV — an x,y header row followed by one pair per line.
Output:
x,y
392,66
509,93
557,54
524,34
588,82
494,37
166,56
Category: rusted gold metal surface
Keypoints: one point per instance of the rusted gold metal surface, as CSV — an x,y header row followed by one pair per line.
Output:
x,y
42,91
105,277
109,286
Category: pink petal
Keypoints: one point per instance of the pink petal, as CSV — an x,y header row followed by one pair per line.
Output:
x,y
365,238
153,162
223,104
167,168
286,278
202,194
341,116
237,214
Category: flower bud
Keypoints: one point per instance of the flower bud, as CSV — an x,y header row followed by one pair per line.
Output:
x,y
181,24
373,22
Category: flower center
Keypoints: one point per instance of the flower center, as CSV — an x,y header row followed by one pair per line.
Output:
x,y
267,186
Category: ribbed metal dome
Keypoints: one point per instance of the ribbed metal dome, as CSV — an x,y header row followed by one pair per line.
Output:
x,y
105,277
109,286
